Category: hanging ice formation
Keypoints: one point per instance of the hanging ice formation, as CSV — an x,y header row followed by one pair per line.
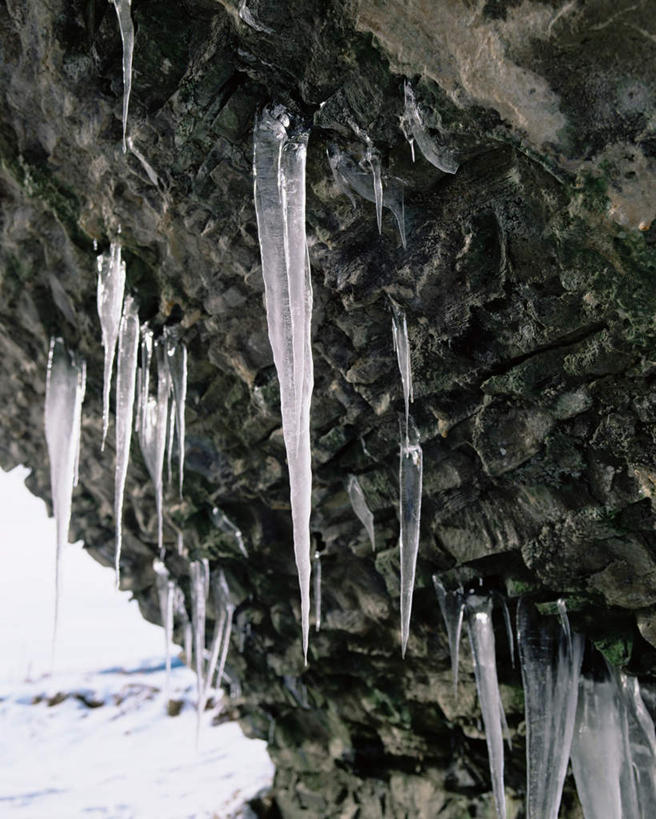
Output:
x,y
452,606
317,591
224,524
225,608
410,482
402,350
249,18
613,750
65,384
199,571
350,178
176,354
127,37
359,504
165,594
128,350
181,611
550,658
279,188
111,284
481,635
414,129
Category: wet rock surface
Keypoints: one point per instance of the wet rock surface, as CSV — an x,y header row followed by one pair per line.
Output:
x,y
529,287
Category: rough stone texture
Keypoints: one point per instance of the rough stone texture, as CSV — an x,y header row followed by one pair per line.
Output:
x,y
529,286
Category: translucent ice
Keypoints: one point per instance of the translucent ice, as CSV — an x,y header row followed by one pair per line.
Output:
x,y
224,524
249,18
165,594
481,636
550,658
127,37
452,606
177,362
111,284
279,188
412,124
372,161
359,504
199,572
350,178
402,350
128,350
317,590
642,741
65,384
410,482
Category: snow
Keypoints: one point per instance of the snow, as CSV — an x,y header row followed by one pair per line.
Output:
x,y
125,757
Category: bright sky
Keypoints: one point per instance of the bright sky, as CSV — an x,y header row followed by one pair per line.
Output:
x,y
98,626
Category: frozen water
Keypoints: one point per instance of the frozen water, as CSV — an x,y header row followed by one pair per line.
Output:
x,y
402,350
642,742
176,353
372,161
279,189
165,592
359,504
249,18
317,590
127,37
415,130
452,606
128,350
550,658
410,482
224,524
199,572
111,284
65,384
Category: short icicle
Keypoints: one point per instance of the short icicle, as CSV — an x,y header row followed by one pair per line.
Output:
x,y
481,635
224,524
359,504
123,12
65,385
410,484
452,606
415,130
111,284
550,658
279,188
126,369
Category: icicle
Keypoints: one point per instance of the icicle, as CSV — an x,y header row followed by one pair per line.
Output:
x,y
359,504
564,621
177,363
352,178
150,171
249,18
550,658
165,590
317,590
414,129
279,188
372,161
452,606
402,350
230,610
223,522
65,385
111,284
642,741
410,480
481,636
501,600
169,443
199,572
128,349
127,36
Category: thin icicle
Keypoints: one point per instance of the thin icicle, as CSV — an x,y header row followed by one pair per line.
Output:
x,y
127,37
402,350
317,590
111,285
128,350
279,189
410,481
165,589
642,740
150,171
199,572
359,504
564,621
452,606
230,610
414,129
350,177
65,385
224,524
481,636
223,611
176,353
372,161
550,658
249,18
169,443
501,600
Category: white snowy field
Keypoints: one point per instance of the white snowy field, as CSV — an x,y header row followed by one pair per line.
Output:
x,y
92,739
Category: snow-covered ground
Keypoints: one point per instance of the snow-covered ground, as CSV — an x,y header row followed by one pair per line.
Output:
x,y
92,738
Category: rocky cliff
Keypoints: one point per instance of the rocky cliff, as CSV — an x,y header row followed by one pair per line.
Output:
x,y
529,285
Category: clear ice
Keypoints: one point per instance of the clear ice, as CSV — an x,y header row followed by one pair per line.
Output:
x,y
224,524
249,18
642,741
165,594
410,481
126,370
126,26
65,385
481,635
359,504
372,161
402,350
317,591
200,579
412,124
350,178
111,284
550,658
176,353
452,606
279,187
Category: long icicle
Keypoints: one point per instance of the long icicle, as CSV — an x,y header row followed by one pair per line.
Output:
x,y
111,284
452,606
177,361
126,370
126,26
279,188
199,571
65,385
359,504
165,596
402,350
410,486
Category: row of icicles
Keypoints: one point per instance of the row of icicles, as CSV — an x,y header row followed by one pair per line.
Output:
x,y
601,721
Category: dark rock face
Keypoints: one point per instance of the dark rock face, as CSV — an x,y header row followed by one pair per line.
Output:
x,y
529,283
